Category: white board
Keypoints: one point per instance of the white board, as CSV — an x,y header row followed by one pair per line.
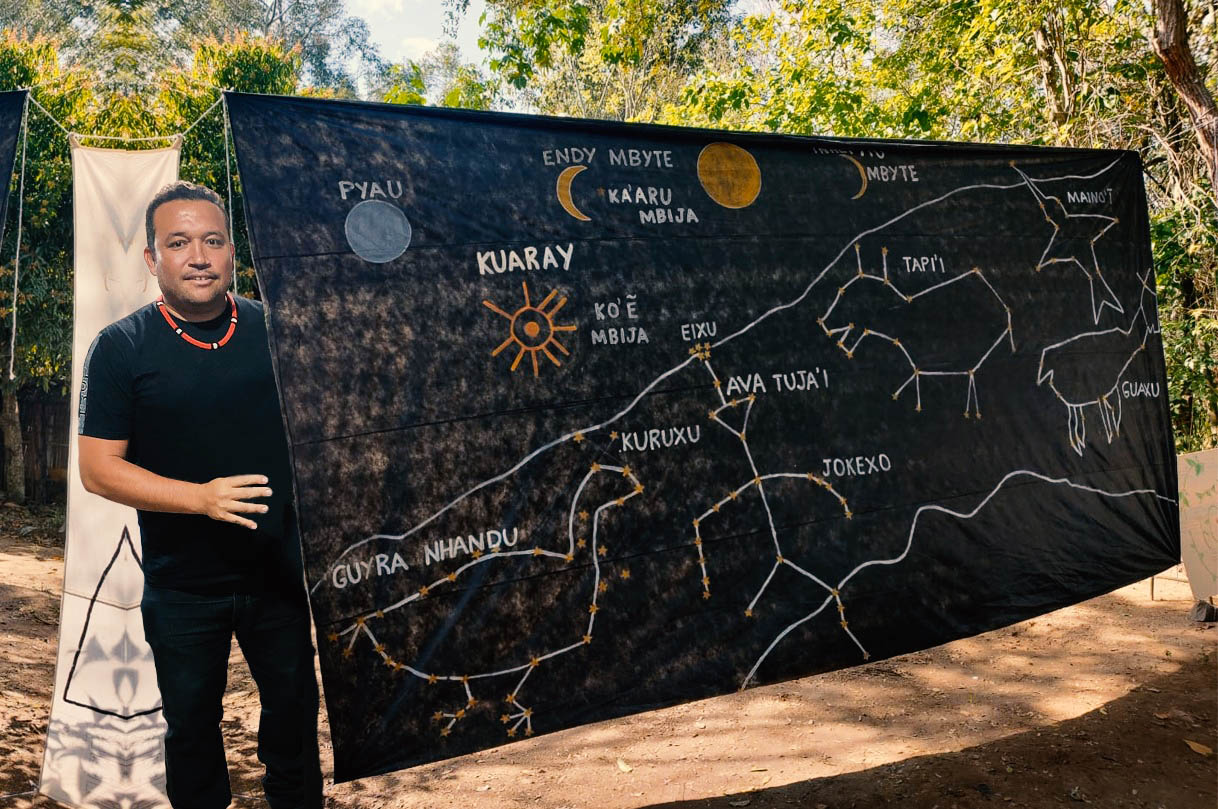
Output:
x,y
1198,473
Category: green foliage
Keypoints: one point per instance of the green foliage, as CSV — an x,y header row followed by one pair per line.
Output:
x,y
1186,265
618,59
406,85
243,63
44,300
1028,71
440,76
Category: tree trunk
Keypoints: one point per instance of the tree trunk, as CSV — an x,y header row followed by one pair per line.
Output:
x,y
14,452
1170,43
1045,61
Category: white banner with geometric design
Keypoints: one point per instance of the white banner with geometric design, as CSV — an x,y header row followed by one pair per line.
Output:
x,y
105,739
1198,473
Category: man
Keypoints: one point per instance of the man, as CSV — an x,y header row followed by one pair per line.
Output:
x,y
179,418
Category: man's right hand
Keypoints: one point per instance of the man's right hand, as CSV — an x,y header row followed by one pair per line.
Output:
x,y
224,498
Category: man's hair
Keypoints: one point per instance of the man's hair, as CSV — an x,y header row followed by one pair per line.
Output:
x,y
173,192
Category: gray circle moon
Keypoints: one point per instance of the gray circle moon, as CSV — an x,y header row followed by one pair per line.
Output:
x,y
377,231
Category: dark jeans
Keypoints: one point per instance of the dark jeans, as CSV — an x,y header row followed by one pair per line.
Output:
x,y
190,636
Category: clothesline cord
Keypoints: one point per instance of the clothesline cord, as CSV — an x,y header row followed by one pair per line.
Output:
x,y
25,134
145,139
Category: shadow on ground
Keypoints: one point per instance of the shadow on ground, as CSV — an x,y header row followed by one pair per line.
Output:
x,y
1129,753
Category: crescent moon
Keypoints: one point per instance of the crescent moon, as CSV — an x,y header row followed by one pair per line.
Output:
x,y
862,175
563,189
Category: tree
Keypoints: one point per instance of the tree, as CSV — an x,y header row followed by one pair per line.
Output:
x,y
1170,42
126,44
617,59
327,37
439,77
44,300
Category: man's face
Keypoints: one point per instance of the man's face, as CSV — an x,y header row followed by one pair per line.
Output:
x,y
193,262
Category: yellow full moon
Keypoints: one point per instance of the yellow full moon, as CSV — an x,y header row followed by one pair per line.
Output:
x,y
729,175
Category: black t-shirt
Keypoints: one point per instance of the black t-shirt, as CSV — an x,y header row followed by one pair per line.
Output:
x,y
194,414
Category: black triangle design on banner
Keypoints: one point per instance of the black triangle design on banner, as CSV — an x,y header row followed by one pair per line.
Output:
x,y
67,688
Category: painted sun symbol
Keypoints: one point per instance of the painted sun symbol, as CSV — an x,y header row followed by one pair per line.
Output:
x,y
532,329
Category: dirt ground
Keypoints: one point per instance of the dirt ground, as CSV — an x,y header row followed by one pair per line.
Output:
x,y
1093,705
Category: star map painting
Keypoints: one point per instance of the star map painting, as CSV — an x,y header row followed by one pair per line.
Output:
x,y
592,418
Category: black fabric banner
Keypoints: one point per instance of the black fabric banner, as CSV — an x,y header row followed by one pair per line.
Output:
x,y
590,418
12,109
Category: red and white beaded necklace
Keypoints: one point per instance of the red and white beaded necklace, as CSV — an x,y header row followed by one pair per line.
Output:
x,y
232,325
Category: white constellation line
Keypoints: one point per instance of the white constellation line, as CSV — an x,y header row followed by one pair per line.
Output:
x,y
913,526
